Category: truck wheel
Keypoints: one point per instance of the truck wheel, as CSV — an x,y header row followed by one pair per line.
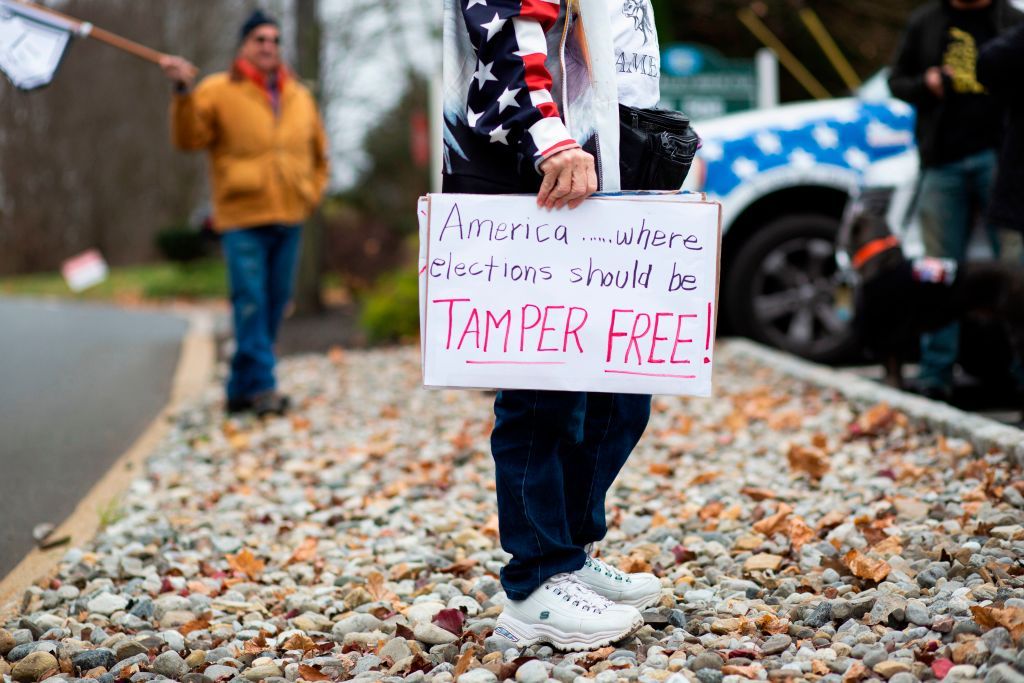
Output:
x,y
781,289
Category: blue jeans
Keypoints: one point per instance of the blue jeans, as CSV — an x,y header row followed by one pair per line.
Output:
x,y
556,455
261,270
951,198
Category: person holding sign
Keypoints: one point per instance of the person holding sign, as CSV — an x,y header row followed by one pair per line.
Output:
x,y
510,130
268,159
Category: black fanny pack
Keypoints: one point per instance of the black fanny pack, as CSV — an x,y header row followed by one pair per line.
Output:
x,y
656,150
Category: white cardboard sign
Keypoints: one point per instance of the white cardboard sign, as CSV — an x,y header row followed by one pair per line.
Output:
x,y
619,295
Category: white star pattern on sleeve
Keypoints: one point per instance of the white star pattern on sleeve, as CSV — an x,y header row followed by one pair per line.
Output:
x,y
483,74
472,117
508,99
494,26
500,134
474,3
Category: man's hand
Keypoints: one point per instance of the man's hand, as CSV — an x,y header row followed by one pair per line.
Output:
x,y
569,178
179,70
933,80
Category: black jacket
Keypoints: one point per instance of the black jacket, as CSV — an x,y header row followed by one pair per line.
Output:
x,y
1001,71
922,48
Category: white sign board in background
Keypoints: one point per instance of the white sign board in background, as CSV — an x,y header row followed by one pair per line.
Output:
x,y
619,295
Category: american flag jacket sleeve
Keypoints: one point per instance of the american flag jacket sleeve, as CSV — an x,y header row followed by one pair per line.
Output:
x,y
510,99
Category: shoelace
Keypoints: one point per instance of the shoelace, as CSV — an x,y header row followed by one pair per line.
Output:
x,y
572,590
607,570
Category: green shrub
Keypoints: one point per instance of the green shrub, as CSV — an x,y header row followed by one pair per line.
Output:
x,y
182,244
391,309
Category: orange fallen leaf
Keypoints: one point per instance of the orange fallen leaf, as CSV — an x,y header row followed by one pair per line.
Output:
x,y
256,645
831,520
634,564
376,588
711,511
866,567
771,624
300,424
658,520
308,673
855,672
774,523
299,641
808,460
757,494
752,671
246,563
660,468
820,668
464,661
1010,618
875,420
705,478
491,527
198,625
336,355
799,533
890,546
305,552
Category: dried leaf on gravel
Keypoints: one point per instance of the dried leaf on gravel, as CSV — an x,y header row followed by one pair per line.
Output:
x,y
256,645
660,468
299,641
464,662
198,625
757,494
752,671
890,546
305,552
450,620
378,591
799,533
874,421
1010,618
705,478
634,563
808,460
865,567
308,673
773,524
855,672
246,563
771,624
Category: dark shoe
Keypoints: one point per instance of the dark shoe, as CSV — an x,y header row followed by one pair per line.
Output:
x,y
238,405
270,403
935,392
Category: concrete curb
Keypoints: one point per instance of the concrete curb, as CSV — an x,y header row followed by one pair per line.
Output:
x,y
195,367
983,433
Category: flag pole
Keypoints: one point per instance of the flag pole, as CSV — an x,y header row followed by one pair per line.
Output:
x,y
85,29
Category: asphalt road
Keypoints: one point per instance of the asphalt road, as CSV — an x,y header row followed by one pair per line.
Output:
x,y
78,384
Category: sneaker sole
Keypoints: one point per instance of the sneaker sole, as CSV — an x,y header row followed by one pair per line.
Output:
x,y
642,603
527,635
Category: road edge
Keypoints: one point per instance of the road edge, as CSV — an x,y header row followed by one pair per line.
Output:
x,y
193,371
983,433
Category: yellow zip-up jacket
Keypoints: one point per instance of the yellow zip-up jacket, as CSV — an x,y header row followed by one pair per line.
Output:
x,y
265,168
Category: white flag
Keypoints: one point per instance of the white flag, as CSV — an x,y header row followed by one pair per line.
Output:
x,y
32,43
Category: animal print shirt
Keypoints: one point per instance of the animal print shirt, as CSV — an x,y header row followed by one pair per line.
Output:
x,y
637,55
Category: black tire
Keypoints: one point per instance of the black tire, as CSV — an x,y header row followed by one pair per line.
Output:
x,y
781,289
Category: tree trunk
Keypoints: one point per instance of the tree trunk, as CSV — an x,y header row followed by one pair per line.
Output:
x,y
308,299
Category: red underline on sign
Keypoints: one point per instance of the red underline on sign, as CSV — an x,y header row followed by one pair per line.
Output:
x,y
649,374
510,362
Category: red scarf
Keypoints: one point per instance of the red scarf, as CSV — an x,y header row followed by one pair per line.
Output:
x,y
246,70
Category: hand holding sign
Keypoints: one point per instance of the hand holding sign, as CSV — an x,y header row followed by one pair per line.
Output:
x,y
618,295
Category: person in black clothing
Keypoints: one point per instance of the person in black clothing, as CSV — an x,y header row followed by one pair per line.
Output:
x,y
1001,70
959,127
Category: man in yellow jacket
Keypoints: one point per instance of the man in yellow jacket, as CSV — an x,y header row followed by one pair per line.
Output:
x,y
268,166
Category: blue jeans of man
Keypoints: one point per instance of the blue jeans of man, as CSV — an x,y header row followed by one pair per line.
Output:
x,y
951,198
556,455
261,270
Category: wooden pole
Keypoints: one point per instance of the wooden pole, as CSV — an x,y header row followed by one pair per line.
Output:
x,y
787,58
830,48
86,29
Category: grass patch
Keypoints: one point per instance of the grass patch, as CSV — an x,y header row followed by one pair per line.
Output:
x,y
206,279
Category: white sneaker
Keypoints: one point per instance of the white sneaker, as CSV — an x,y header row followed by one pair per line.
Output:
x,y
568,615
639,590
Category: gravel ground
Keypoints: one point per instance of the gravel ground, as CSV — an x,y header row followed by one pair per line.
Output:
x,y
797,537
